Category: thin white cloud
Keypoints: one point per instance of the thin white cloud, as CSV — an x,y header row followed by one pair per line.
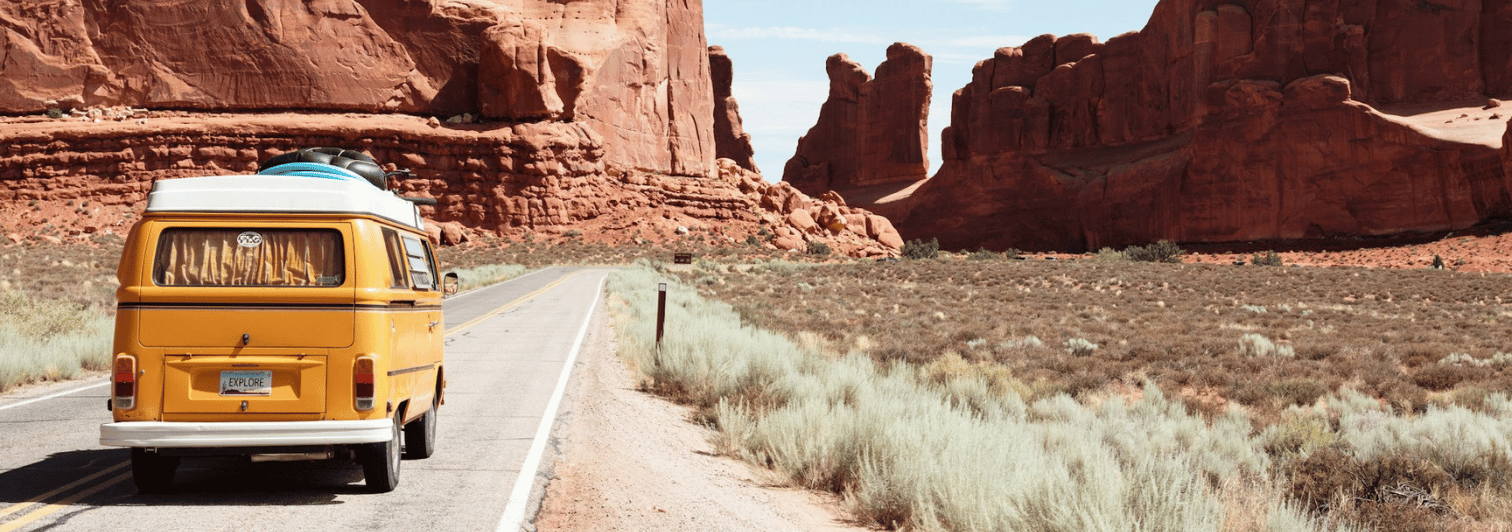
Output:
x,y
719,32
990,5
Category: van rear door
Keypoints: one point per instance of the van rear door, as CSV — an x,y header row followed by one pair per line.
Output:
x,y
245,315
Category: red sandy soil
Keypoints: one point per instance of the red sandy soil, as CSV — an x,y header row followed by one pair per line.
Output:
x,y
1487,248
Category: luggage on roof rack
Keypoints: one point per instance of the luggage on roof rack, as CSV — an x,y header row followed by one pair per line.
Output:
x,y
327,163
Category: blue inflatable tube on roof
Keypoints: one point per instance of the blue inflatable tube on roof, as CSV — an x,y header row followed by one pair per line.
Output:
x,y
318,170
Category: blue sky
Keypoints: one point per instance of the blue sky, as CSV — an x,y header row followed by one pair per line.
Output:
x,y
779,48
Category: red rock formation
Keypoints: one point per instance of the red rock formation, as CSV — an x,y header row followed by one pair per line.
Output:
x,y
870,131
730,139
93,177
634,70
1228,122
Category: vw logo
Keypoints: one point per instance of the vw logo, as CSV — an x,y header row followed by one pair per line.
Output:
x,y
249,239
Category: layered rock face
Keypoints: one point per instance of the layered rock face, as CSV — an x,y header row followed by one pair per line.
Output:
x,y
636,71
92,178
1224,122
730,139
870,131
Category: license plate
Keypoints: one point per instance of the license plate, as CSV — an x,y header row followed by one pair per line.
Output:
x,y
246,383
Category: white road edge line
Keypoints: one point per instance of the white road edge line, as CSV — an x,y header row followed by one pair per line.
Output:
x,y
514,510
59,394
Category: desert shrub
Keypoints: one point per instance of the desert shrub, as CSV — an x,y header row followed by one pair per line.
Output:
x,y
1270,258
1300,391
1162,251
1316,351
919,249
1403,396
1499,360
983,254
1013,254
1254,345
1301,432
1278,393
572,233
1332,480
1471,397
1110,255
55,113
818,248
1440,377
1027,342
1471,447
1079,347
752,240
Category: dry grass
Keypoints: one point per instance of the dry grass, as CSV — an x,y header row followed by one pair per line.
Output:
x,y
1267,338
57,303
952,444
1419,354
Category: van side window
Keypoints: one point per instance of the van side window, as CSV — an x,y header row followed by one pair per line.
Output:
x,y
419,264
430,257
398,273
262,257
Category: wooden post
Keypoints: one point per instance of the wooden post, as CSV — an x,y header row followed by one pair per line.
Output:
x,y
661,313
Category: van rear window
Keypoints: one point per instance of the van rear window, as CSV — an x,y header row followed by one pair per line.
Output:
x,y
249,257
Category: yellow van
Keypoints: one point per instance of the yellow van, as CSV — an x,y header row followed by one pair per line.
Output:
x,y
290,315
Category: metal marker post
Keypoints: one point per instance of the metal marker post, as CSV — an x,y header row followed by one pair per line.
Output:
x,y
661,317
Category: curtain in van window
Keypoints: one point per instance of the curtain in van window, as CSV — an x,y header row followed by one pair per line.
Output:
x,y
249,257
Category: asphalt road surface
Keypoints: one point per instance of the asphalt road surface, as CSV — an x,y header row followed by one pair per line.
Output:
x,y
508,354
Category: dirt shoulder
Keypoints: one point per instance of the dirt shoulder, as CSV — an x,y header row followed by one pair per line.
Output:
x,y
629,461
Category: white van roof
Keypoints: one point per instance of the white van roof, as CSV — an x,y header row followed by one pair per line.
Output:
x,y
280,194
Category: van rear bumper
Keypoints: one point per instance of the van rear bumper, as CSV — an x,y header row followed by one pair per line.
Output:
x,y
242,434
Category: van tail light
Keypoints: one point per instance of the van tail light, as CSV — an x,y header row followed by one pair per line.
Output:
x,y
124,397
362,383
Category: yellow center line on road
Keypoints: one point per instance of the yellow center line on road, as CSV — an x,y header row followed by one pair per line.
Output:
x,y
71,485
53,507
507,306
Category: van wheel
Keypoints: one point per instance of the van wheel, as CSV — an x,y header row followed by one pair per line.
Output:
x,y
152,472
420,434
380,461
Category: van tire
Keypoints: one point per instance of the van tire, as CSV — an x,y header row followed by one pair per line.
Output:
x,y
420,434
152,472
380,461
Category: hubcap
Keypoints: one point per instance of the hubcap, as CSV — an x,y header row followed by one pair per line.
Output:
x,y
393,450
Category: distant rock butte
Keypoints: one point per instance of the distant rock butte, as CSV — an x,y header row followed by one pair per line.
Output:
x,y
870,131
730,139
1283,120
636,71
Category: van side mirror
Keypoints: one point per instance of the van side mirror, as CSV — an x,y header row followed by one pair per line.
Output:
x,y
450,283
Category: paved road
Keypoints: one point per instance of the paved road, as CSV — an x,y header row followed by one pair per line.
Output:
x,y
507,349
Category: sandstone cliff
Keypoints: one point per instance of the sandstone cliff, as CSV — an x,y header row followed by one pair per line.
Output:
x,y
63,179
870,131
597,115
635,71
1223,122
